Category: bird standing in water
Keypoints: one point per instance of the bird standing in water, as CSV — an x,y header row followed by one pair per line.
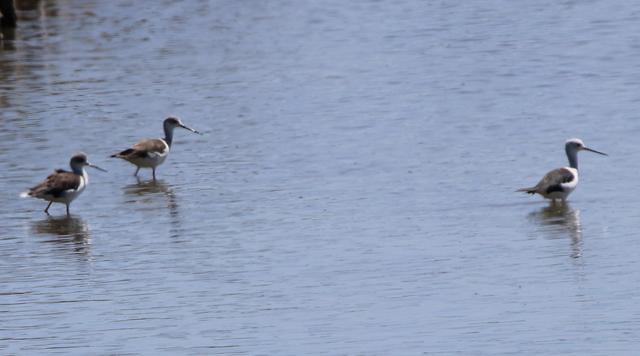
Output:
x,y
560,182
151,153
63,186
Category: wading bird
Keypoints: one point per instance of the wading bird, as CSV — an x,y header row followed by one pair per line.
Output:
x,y
151,153
560,182
62,186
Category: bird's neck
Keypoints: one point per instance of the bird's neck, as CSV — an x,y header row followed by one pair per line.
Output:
x,y
168,135
572,155
79,170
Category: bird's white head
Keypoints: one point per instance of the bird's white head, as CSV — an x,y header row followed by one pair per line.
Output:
x,y
576,144
573,146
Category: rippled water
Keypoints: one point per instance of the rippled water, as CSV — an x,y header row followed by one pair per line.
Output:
x,y
354,189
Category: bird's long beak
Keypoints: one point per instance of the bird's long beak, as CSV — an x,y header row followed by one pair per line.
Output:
x,y
594,151
96,167
190,129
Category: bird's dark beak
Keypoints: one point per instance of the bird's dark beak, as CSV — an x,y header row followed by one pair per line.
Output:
x,y
190,129
594,151
96,167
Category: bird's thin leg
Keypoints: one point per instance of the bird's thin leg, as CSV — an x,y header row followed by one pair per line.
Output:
x,y
46,211
68,209
154,173
136,173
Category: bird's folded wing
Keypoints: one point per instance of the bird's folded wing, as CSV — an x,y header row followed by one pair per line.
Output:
x,y
151,146
57,183
554,179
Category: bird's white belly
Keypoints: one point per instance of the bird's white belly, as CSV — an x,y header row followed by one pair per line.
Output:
x,y
559,195
70,195
152,160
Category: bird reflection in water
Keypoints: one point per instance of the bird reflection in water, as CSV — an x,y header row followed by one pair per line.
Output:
x,y
66,230
562,220
147,191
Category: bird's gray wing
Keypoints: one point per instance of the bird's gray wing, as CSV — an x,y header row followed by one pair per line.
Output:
x,y
552,181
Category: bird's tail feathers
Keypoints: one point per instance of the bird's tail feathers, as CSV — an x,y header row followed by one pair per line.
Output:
x,y
25,194
531,190
123,153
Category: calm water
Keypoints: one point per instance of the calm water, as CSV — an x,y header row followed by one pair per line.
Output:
x,y
354,189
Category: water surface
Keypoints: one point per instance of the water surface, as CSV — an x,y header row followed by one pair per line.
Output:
x,y
353,192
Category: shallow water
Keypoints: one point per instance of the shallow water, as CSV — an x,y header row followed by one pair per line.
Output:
x,y
353,192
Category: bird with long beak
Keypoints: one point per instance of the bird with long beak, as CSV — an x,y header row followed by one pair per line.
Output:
x,y
151,153
63,186
559,183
